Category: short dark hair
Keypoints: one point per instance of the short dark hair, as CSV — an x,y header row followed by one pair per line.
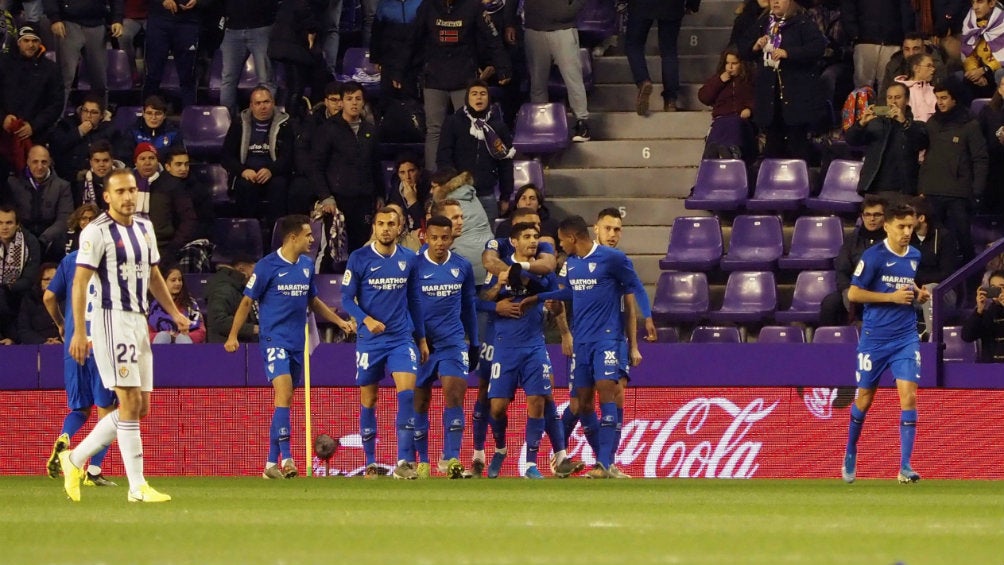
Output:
x,y
995,273
899,210
155,102
574,225
388,210
243,258
438,207
922,206
260,88
906,91
291,225
439,221
609,213
873,200
99,146
172,151
443,175
333,87
521,227
94,98
8,209
519,212
915,35
352,86
117,173
407,157
951,86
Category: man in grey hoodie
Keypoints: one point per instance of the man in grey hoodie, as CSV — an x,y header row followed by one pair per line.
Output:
x,y
454,196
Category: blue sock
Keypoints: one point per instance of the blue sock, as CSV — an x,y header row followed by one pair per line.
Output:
x,y
406,425
422,436
854,430
907,433
453,420
499,426
273,440
99,458
73,422
608,432
479,425
568,422
534,432
620,424
368,432
281,421
590,429
552,424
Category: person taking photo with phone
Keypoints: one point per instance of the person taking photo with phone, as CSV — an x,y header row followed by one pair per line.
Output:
x,y
986,321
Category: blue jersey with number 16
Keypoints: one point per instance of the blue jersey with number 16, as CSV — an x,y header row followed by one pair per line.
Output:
x,y
882,270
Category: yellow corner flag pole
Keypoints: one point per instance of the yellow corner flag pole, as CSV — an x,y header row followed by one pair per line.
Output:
x,y
307,444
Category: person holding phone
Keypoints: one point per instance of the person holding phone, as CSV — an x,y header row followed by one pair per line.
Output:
x,y
986,321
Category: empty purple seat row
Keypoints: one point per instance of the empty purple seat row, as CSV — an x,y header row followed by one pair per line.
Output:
x,y
757,243
775,334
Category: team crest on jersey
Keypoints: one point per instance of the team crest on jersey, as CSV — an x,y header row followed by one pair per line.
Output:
x,y
306,272
271,367
455,272
402,264
592,267
913,265
85,246
564,271
123,371
493,244
347,277
251,281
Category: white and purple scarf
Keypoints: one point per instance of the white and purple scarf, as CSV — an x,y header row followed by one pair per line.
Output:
x,y
992,33
480,130
774,25
12,259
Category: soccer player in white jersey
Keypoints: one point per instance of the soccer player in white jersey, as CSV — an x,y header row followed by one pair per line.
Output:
x,y
119,251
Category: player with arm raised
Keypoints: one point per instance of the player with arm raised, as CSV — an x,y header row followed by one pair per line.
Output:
x,y
884,282
379,291
283,285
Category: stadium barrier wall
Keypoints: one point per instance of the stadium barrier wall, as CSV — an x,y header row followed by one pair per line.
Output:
x,y
693,410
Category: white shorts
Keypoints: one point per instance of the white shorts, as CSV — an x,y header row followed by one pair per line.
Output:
x,y
121,344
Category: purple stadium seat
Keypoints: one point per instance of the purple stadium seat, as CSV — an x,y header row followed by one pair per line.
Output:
x,y
667,335
781,334
215,177
556,84
835,334
196,284
815,243
315,228
756,244
357,59
782,184
715,334
170,81
597,20
976,106
810,288
695,244
247,81
680,297
525,172
541,129
721,184
118,75
329,290
956,350
125,117
985,230
840,189
204,128
234,236
750,296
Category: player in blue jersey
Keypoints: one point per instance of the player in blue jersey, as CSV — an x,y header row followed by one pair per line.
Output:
x,y
520,359
608,229
595,278
447,294
884,282
83,383
379,291
283,286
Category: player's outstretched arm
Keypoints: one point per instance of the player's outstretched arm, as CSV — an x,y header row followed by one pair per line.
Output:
x,y
318,307
240,316
159,290
79,348
561,319
51,302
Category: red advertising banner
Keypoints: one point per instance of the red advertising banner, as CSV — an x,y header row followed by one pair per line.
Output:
x,y
668,432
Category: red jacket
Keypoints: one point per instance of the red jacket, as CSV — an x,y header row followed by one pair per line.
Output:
x,y
726,98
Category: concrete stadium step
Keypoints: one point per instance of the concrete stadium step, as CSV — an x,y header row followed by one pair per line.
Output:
x,y
630,153
621,98
660,125
644,240
647,267
615,69
657,182
636,211
693,40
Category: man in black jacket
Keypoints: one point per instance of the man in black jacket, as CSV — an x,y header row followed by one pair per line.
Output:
x,y
876,29
172,28
81,25
986,322
641,15
73,135
835,307
171,211
894,142
939,256
258,155
31,89
345,170
224,292
954,174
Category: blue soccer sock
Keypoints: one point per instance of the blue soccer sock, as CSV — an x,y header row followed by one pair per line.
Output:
x,y
854,430
568,422
552,424
406,425
907,433
422,436
273,440
99,458
453,424
280,422
73,421
620,425
479,425
590,429
534,432
368,432
608,433
499,426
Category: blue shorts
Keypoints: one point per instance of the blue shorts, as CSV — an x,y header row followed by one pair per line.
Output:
x,y
596,361
371,364
903,357
280,361
529,369
83,385
446,362
485,364
624,356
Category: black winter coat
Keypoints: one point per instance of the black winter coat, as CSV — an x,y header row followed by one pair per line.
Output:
x,y
939,255
88,13
288,39
464,152
393,34
447,40
224,292
956,160
878,22
795,84
892,152
345,163
850,253
32,90
990,121
71,151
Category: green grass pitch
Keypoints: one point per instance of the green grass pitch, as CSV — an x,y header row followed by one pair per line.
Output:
x,y
353,521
